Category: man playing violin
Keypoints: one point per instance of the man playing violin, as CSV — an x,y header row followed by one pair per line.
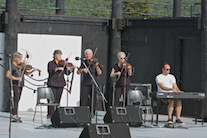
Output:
x,y
16,77
86,90
56,80
119,70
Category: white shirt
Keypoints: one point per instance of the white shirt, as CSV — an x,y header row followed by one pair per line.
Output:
x,y
167,81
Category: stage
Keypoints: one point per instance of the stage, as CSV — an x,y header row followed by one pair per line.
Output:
x,y
30,129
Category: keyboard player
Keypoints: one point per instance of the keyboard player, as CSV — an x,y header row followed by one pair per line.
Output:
x,y
167,83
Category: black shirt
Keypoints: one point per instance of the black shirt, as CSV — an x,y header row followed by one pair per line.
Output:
x,y
120,82
54,79
86,77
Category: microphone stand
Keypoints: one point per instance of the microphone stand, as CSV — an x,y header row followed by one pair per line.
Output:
x,y
21,73
94,81
11,95
67,79
93,90
125,76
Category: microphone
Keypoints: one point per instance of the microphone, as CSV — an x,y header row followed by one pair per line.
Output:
x,y
8,54
1,59
78,58
66,59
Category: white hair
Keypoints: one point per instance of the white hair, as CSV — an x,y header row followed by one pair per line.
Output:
x,y
121,53
88,50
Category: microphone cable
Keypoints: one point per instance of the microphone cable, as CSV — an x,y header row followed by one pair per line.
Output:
x,y
37,79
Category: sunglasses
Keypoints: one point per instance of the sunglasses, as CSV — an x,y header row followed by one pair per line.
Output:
x,y
122,58
167,69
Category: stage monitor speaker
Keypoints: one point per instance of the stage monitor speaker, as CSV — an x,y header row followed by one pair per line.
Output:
x,y
106,131
71,116
131,115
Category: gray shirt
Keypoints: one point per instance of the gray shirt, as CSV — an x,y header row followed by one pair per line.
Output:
x,y
15,73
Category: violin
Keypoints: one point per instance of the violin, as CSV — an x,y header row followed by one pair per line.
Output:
x,y
28,67
125,65
63,63
94,61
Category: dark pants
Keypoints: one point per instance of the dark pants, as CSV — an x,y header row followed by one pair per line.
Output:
x,y
86,96
57,93
17,96
118,92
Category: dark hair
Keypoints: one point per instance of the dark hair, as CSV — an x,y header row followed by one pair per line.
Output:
x,y
163,65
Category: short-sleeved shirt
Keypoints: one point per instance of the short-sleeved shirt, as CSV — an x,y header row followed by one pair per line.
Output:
x,y
167,81
15,73
120,81
86,77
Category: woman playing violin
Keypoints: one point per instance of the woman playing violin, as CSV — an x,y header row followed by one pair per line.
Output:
x,y
56,80
86,90
16,77
118,70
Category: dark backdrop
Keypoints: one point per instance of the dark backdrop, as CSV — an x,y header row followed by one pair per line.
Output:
x,y
152,42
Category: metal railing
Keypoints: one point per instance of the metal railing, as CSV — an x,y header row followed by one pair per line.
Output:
x,y
195,9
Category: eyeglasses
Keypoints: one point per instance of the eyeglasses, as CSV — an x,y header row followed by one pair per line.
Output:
x,y
122,58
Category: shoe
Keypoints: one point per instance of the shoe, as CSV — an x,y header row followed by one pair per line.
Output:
x,y
17,120
169,121
179,122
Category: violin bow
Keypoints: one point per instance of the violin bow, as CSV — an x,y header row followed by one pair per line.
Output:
x,y
64,65
123,67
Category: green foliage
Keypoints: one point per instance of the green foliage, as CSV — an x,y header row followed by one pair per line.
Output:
x,y
132,7
2,2
86,6
96,7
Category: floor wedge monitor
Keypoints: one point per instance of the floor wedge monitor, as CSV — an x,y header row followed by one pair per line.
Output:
x,y
106,131
131,115
71,116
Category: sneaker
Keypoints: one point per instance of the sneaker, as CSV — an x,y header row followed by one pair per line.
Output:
x,y
169,121
179,122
